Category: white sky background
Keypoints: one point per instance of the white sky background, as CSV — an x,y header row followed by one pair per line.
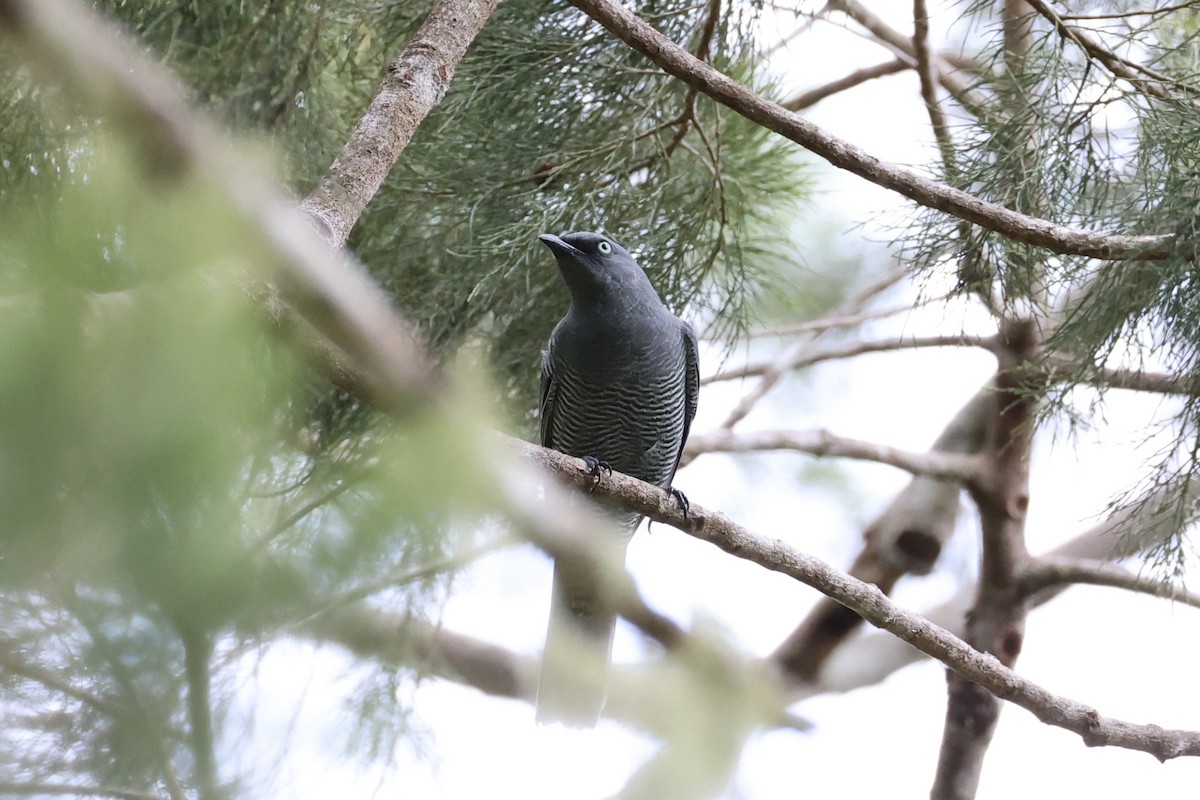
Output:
x,y
1129,656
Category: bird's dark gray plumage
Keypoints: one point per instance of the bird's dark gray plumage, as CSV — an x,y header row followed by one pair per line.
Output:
x,y
620,379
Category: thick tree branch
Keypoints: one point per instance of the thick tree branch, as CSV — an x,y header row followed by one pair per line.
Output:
x,y
952,466
414,85
996,623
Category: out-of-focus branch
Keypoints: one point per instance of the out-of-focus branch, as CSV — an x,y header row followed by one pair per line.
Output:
x,y
414,85
403,640
1061,367
958,87
856,78
800,359
1049,572
333,293
675,60
906,538
951,466
780,366
73,790
927,71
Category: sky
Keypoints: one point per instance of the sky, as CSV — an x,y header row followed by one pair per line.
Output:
x,y
1132,657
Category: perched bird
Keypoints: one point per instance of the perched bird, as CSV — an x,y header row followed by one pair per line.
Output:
x,y
620,378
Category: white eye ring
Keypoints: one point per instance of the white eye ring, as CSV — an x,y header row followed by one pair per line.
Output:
x,y
604,247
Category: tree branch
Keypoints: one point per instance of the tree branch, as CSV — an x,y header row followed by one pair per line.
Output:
x,y
1097,51
414,85
1049,572
676,61
927,71
795,350
962,90
873,606
807,358
74,789
820,442
821,324
906,538
856,78
330,290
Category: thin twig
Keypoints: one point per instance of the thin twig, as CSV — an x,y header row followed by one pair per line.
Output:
x,y
955,466
1093,48
1048,572
841,321
772,376
1128,14
856,78
809,357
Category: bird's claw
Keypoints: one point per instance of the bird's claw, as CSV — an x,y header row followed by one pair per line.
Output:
x,y
595,467
681,498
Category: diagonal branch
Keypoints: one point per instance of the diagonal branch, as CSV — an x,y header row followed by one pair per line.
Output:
x,y
872,605
856,78
1097,51
676,61
414,85
330,290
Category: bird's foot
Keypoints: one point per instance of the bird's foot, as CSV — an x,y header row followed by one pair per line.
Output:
x,y
595,467
681,498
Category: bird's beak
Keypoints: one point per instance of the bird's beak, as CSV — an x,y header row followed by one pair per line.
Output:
x,y
557,245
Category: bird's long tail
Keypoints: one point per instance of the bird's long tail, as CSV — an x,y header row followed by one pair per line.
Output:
x,y
573,683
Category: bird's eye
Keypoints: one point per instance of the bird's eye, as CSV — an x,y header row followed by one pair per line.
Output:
x,y
604,247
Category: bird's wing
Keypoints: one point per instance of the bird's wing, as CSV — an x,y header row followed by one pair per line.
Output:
x,y
548,394
691,353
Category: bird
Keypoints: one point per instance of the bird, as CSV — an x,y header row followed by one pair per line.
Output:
x,y
620,380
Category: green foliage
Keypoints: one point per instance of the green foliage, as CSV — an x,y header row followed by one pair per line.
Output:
x,y
170,468
158,474
552,125
1065,139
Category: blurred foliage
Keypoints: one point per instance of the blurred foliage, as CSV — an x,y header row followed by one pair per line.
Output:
x,y
172,473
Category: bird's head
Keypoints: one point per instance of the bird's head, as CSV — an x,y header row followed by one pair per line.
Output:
x,y
598,270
